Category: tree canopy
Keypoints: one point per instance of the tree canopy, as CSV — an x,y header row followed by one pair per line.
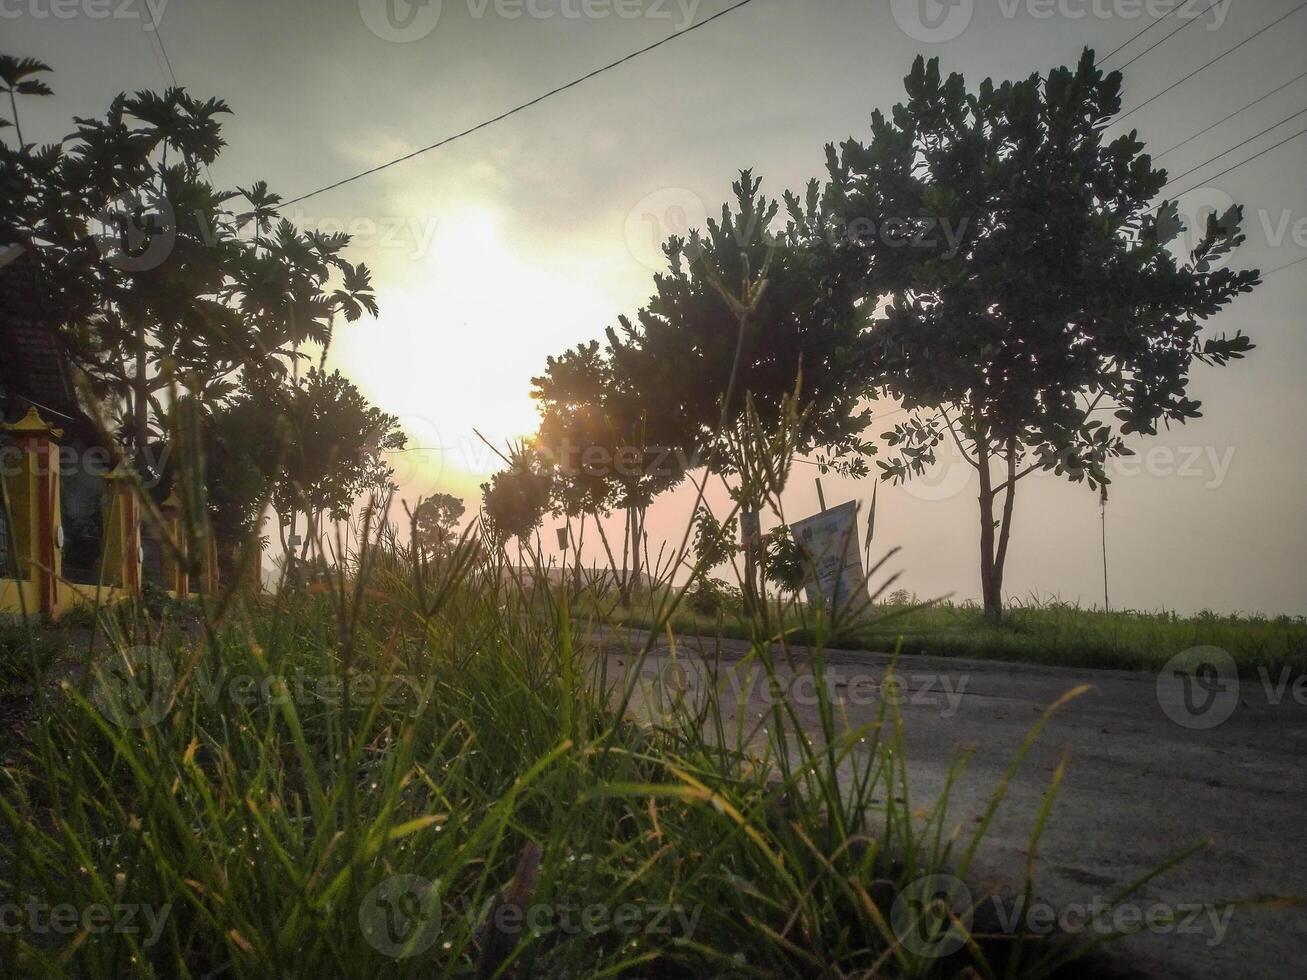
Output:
x,y
1030,284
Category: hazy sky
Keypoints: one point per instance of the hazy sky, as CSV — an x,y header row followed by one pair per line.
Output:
x,y
527,237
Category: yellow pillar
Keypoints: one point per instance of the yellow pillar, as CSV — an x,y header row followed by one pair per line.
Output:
x,y
122,529
175,573
33,490
209,567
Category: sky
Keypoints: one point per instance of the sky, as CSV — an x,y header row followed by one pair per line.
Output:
x,y
534,234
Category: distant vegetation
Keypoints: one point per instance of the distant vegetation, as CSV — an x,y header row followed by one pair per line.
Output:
x,y
1046,632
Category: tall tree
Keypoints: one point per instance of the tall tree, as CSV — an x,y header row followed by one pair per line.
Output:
x,y
1032,285
435,521
608,450
144,260
749,313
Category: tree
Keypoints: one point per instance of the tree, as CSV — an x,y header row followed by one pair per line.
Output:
x,y
1030,282
17,78
516,499
435,520
318,444
721,358
607,449
146,270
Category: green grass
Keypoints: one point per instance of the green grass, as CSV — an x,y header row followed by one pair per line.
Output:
x,y
1053,633
268,827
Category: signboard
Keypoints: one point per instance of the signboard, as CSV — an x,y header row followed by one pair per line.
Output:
x,y
831,542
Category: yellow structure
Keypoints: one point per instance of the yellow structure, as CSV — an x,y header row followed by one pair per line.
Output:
x,y
33,582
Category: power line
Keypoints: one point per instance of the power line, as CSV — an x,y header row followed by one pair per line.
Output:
x,y
1140,34
158,36
1259,153
1209,64
1281,268
516,109
1236,146
1188,23
1227,118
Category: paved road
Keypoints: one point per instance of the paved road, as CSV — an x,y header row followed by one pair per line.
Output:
x,y
1143,782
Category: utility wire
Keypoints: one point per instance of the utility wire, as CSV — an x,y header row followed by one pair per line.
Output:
x,y
1287,265
1180,177
518,108
1209,64
158,36
1260,98
1189,23
1259,153
1137,36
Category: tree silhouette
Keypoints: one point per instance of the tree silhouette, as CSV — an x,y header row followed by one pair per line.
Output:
x,y
703,350
435,522
1031,287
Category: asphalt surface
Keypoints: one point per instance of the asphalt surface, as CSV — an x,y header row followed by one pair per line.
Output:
x,y
1152,769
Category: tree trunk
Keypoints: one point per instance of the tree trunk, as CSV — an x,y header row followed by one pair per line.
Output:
x,y
140,394
991,595
749,520
993,550
637,540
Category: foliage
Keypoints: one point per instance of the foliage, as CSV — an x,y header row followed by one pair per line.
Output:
x,y
688,351
787,563
516,499
1031,283
435,520
143,263
714,540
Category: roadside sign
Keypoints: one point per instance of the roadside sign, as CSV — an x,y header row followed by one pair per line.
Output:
x,y
830,540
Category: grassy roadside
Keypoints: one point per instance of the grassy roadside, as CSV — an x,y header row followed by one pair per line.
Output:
x,y
1057,634
332,785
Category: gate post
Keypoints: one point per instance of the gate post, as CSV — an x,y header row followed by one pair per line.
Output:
x,y
33,491
175,572
122,552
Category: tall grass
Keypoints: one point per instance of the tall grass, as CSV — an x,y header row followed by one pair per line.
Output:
x,y
261,783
